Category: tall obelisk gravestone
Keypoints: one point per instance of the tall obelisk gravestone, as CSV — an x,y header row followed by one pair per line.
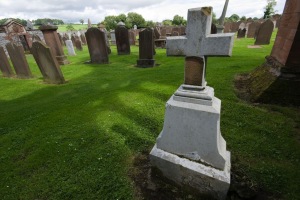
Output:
x,y
190,150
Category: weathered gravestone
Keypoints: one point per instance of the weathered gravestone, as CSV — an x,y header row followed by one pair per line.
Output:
x,y
264,33
73,39
4,64
70,48
146,49
113,38
78,45
97,46
122,39
252,29
190,150
52,40
61,40
241,33
83,40
47,63
35,38
132,37
18,59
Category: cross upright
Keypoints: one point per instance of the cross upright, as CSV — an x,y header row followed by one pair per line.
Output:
x,y
200,43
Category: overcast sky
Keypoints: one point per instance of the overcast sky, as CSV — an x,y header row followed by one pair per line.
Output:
x,y
96,10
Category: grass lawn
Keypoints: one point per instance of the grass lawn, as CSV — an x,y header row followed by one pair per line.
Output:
x,y
77,27
79,140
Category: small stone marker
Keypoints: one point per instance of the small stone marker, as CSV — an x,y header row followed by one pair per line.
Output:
x,y
4,64
122,39
78,45
70,48
97,46
47,63
113,38
190,150
146,49
18,59
264,33
131,37
241,33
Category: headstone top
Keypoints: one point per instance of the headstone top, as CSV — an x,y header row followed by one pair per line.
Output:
x,y
48,27
121,23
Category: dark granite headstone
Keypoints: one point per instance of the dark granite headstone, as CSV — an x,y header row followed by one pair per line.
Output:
x,y
264,33
241,33
252,29
97,46
122,39
4,64
18,59
47,63
146,49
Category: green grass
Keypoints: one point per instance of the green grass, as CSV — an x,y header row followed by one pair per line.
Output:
x,y
78,140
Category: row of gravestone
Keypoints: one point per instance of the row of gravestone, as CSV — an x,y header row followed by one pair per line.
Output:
x,y
43,56
261,32
98,48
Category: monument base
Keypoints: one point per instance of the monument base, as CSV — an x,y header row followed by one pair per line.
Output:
x,y
207,180
145,63
62,60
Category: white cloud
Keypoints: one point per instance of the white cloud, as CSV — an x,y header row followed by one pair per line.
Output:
x,y
96,10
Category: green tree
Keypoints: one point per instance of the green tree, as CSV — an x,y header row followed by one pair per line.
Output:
x,y
81,21
234,18
135,19
110,22
150,24
269,9
214,18
69,27
121,18
167,22
243,18
178,20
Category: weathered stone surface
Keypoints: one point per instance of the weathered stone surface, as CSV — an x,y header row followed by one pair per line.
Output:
x,y
241,33
146,49
47,63
97,46
131,37
83,39
52,40
18,59
78,45
264,33
70,48
252,28
4,64
122,40
176,45
193,71
113,38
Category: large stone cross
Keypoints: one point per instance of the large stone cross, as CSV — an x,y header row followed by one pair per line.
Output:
x,y
200,43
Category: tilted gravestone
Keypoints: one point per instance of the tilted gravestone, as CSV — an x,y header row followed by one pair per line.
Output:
x,y
190,150
97,46
52,40
252,29
146,49
70,48
4,64
241,33
47,63
18,59
122,39
264,33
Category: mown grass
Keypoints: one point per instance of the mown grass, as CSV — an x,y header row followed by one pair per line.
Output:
x,y
78,140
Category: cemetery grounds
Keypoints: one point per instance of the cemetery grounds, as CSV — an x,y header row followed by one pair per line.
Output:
x,y
90,138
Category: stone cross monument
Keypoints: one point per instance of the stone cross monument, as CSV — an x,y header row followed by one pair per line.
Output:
x,y
190,150
220,27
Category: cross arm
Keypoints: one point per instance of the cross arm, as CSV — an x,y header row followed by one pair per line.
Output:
x,y
218,45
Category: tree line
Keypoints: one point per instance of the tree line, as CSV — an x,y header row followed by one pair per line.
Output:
x,y
36,22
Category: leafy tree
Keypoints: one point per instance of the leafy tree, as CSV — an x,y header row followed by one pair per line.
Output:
x,y
178,20
255,18
47,20
243,18
81,21
121,18
110,22
69,27
135,19
167,22
269,9
150,24
214,18
234,18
